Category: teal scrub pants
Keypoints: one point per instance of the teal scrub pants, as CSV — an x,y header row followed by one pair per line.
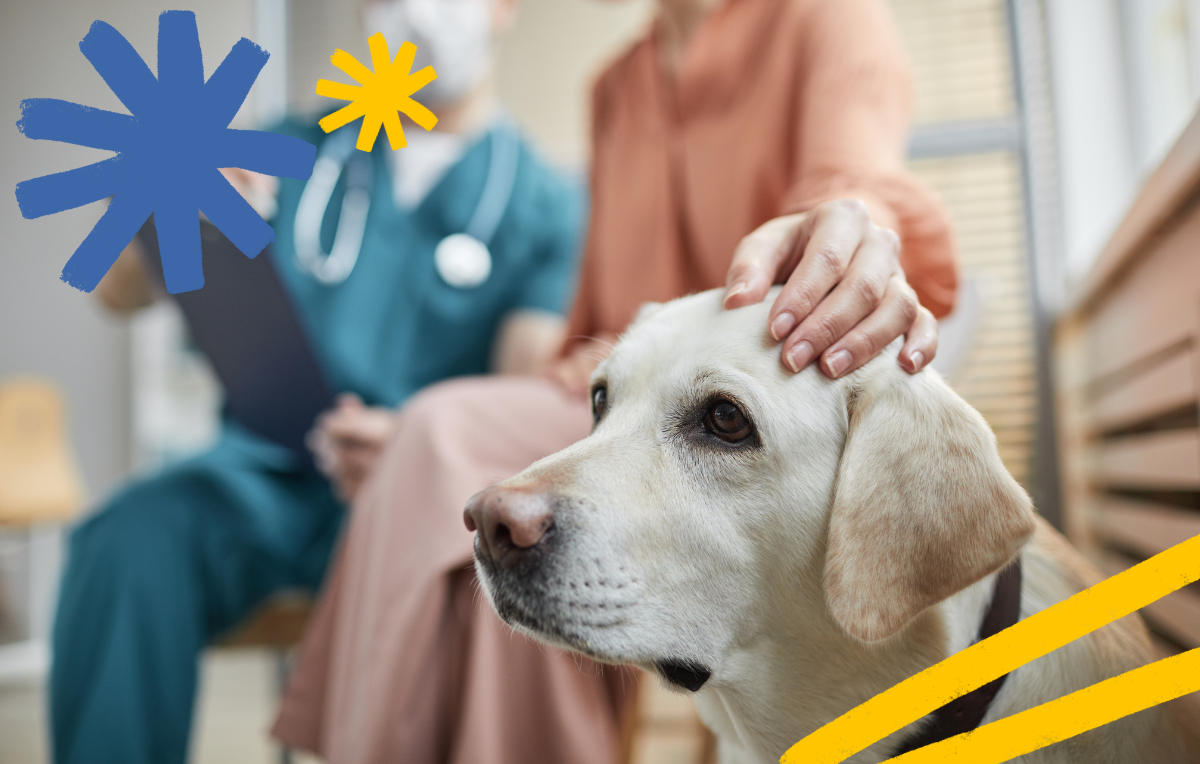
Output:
x,y
170,563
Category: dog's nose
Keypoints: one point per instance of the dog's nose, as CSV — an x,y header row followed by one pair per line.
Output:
x,y
508,520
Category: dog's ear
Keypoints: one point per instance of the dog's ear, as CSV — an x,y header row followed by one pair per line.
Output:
x,y
923,506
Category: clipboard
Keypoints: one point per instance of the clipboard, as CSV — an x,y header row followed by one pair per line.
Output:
x,y
247,326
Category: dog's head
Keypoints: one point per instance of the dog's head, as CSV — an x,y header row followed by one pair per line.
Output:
x,y
718,492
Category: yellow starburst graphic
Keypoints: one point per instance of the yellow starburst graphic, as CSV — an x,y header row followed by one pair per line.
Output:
x,y
381,95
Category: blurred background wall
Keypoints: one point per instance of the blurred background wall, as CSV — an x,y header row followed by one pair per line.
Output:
x,y
49,328
1036,121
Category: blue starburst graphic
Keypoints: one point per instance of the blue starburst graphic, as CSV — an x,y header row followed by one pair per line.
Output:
x,y
168,150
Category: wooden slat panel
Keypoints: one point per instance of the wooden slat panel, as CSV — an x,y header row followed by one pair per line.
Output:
x,y
1071,370
1164,387
1164,193
1153,306
1164,460
1142,527
1177,615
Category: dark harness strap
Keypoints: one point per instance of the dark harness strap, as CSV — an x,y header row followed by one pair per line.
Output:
x,y
964,713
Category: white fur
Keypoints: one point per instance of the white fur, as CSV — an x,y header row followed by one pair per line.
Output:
x,y
682,550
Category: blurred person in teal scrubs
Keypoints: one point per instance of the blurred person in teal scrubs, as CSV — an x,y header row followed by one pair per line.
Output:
x,y
454,256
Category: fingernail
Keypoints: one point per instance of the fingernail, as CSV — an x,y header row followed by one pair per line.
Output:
x,y
736,289
800,356
782,324
837,363
917,358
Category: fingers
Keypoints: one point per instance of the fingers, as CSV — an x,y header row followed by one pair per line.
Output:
x,y
346,442
860,291
896,315
355,463
346,483
353,424
573,375
257,189
837,234
759,258
921,345
347,466
346,490
574,372
845,298
322,449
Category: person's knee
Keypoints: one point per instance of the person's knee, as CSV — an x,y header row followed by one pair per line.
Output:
x,y
445,399
492,420
466,404
441,413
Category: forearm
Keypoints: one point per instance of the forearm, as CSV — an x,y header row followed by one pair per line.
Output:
x,y
126,287
527,342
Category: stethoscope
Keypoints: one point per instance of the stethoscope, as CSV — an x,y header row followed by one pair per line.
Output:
x,y
461,259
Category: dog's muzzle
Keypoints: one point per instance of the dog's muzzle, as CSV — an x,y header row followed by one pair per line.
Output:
x,y
517,546
531,560
538,580
510,523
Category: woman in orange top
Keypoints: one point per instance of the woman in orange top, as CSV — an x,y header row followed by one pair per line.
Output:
x,y
739,143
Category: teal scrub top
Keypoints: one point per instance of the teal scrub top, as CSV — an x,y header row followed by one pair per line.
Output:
x,y
394,325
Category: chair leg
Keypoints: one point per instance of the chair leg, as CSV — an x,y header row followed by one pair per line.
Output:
x,y
283,672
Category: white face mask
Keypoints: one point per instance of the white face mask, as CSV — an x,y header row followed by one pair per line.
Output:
x,y
454,36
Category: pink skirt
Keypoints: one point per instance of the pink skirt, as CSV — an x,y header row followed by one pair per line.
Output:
x,y
404,660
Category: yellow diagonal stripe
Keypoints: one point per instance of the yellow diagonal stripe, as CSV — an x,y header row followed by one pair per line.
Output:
x,y
1067,716
1012,648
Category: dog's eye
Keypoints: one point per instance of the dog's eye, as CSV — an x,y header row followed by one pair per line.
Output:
x,y
599,402
727,422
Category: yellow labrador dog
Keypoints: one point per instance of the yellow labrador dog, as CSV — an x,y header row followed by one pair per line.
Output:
x,y
785,547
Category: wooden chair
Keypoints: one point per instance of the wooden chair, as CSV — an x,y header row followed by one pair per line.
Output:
x,y
39,486
278,626
39,481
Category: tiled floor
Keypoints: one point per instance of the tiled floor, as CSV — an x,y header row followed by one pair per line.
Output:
x,y
21,718
237,700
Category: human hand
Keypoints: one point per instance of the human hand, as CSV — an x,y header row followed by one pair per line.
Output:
x,y
347,440
845,297
573,373
258,189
